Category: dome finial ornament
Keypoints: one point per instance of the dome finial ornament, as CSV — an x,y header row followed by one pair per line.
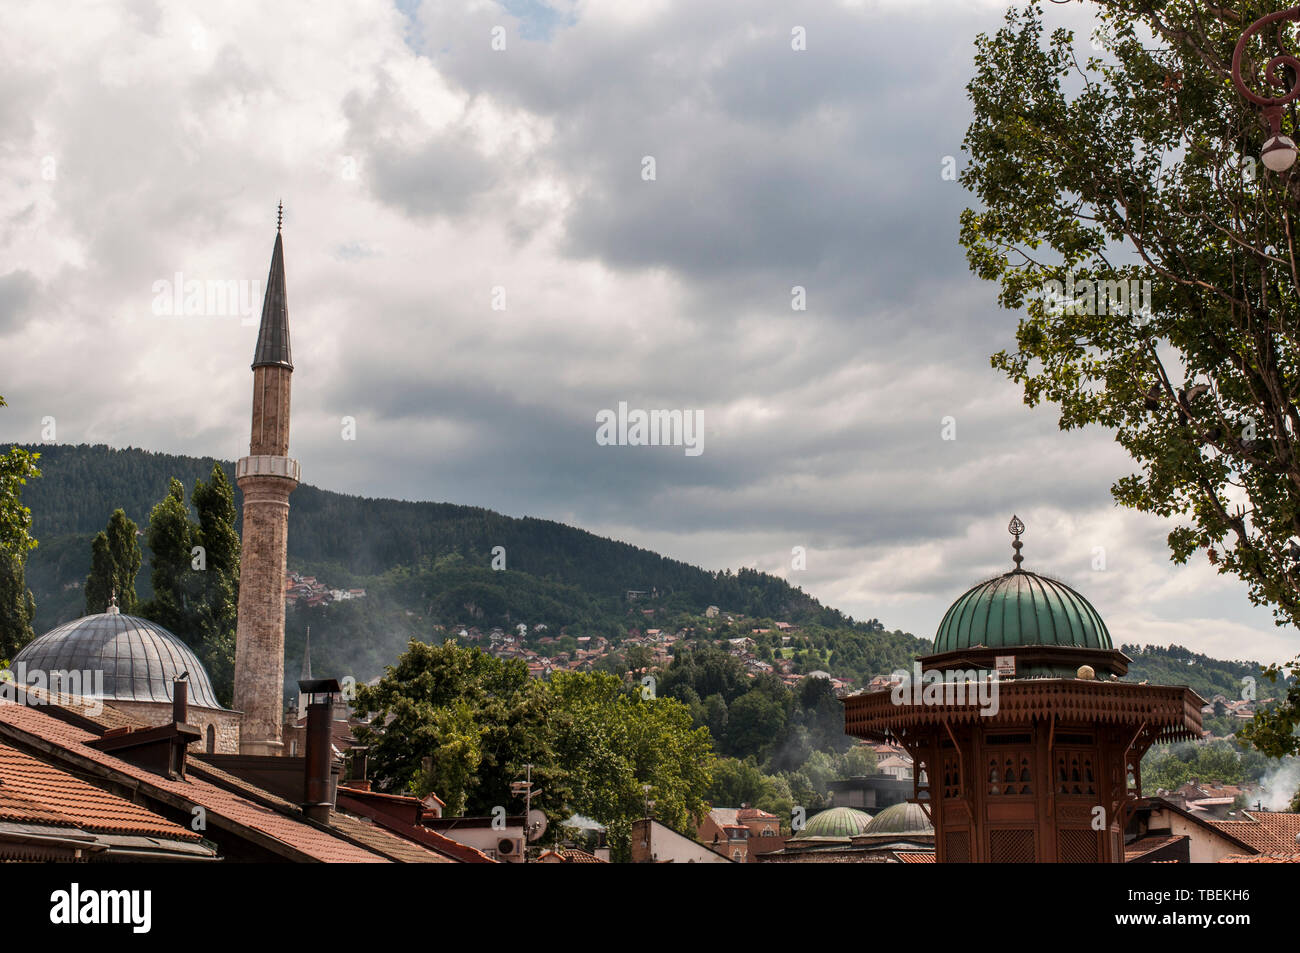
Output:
x,y
112,603
1015,528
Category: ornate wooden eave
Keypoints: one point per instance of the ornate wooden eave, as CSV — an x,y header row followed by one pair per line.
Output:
x,y
1172,712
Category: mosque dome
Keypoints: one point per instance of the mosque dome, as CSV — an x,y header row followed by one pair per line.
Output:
x,y
900,819
139,658
840,823
1018,609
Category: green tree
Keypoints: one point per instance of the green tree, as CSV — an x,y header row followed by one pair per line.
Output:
x,y
621,749
1097,173
217,602
858,762
754,721
114,561
171,539
194,568
17,607
736,782
460,723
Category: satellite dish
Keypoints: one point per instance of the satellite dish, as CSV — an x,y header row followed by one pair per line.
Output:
x,y
536,824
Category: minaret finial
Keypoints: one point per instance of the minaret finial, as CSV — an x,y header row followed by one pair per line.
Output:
x,y
279,215
1015,528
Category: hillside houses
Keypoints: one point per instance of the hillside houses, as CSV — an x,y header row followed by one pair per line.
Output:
x,y
300,590
547,653
1241,708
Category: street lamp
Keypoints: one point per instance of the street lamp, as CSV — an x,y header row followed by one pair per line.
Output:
x,y
1279,152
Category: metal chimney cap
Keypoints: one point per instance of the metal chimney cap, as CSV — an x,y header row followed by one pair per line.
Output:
x,y
319,686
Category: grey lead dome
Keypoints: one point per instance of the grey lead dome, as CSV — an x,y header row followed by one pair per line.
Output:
x,y
139,658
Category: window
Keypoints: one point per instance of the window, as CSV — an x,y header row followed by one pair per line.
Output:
x,y
951,776
1010,773
1074,775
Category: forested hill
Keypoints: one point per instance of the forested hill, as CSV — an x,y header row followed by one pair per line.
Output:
x,y
1177,665
356,537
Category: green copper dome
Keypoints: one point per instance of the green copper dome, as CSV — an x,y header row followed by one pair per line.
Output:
x,y
836,822
904,818
1021,609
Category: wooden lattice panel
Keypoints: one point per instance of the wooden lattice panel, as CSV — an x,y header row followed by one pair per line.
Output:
x,y
1076,846
957,847
1011,847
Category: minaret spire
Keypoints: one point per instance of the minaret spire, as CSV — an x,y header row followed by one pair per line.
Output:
x,y
273,334
266,476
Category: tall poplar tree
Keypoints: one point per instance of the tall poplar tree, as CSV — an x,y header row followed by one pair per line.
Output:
x,y
170,537
114,562
195,573
218,595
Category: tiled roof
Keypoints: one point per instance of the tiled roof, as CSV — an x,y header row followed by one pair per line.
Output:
x,y
914,857
27,724
95,710
1278,858
362,803
34,792
373,836
1145,845
1266,831
576,856
392,846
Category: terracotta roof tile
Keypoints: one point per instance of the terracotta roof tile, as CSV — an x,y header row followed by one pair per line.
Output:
x,y
362,803
1278,858
297,835
32,791
1144,845
390,845
914,857
1266,831
574,855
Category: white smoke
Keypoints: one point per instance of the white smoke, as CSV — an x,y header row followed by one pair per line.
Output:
x,y
1278,787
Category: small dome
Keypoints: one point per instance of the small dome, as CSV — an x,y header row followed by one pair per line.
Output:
x,y
1020,609
904,818
836,822
139,658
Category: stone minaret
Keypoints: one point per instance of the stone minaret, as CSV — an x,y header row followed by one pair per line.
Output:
x,y
266,476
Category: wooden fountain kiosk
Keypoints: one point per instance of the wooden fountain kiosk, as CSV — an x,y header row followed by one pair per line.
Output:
x,y
1026,746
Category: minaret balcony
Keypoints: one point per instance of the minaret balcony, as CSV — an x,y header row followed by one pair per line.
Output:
x,y
265,465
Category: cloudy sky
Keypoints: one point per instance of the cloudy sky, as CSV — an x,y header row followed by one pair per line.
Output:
x,y
427,176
